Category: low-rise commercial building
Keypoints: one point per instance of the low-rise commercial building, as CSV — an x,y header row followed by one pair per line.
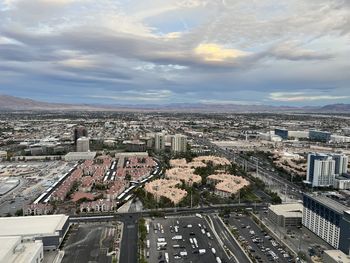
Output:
x,y
286,215
15,250
50,229
319,136
342,182
135,146
77,156
335,256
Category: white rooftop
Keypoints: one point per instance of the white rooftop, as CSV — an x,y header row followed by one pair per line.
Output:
x,y
12,250
7,244
287,210
338,255
75,154
32,225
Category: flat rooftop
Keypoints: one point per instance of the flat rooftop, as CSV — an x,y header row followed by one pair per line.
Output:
x,y
7,244
338,256
32,225
26,251
131,154
287,210
78,154
332,204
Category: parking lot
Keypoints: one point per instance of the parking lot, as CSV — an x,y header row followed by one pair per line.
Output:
x,y
182,239
89,243
34,177
263,247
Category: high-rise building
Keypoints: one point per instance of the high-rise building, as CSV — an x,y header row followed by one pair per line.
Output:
x,y
78,132
320,170
341,163
159,141
83,144
179,143
328,219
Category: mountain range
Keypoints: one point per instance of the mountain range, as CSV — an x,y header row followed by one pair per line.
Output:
x,y
11,103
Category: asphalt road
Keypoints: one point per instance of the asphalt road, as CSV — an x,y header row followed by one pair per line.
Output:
x,y
128,250
229,241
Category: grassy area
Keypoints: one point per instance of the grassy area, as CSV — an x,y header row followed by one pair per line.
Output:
x,y
142,239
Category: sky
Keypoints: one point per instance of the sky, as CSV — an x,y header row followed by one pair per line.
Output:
x,y
271,52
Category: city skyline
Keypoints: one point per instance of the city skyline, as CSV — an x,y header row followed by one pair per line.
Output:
x,y
162,52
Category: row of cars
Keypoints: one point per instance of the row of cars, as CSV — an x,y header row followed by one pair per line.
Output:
x,y
185,241
261,244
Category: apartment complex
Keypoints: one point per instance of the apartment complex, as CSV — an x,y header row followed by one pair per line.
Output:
x,y
179,143
322,168
159,141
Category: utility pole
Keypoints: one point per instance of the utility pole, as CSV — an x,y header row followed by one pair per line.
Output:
x,y
191,199
285,193
239,196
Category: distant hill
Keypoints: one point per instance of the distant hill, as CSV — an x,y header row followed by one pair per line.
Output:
x,y
336,108
11,103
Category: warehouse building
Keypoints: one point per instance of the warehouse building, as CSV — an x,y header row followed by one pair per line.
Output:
x,y
50,229
286,215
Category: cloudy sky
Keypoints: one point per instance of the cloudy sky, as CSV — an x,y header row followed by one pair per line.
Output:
x,y
294,52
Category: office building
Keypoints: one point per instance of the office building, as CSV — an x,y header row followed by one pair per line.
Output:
x,y
298,134
179,143
15,250
50,229
83,144
283,133
328,219
78,132
286,215
159,141
319,136
320,170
